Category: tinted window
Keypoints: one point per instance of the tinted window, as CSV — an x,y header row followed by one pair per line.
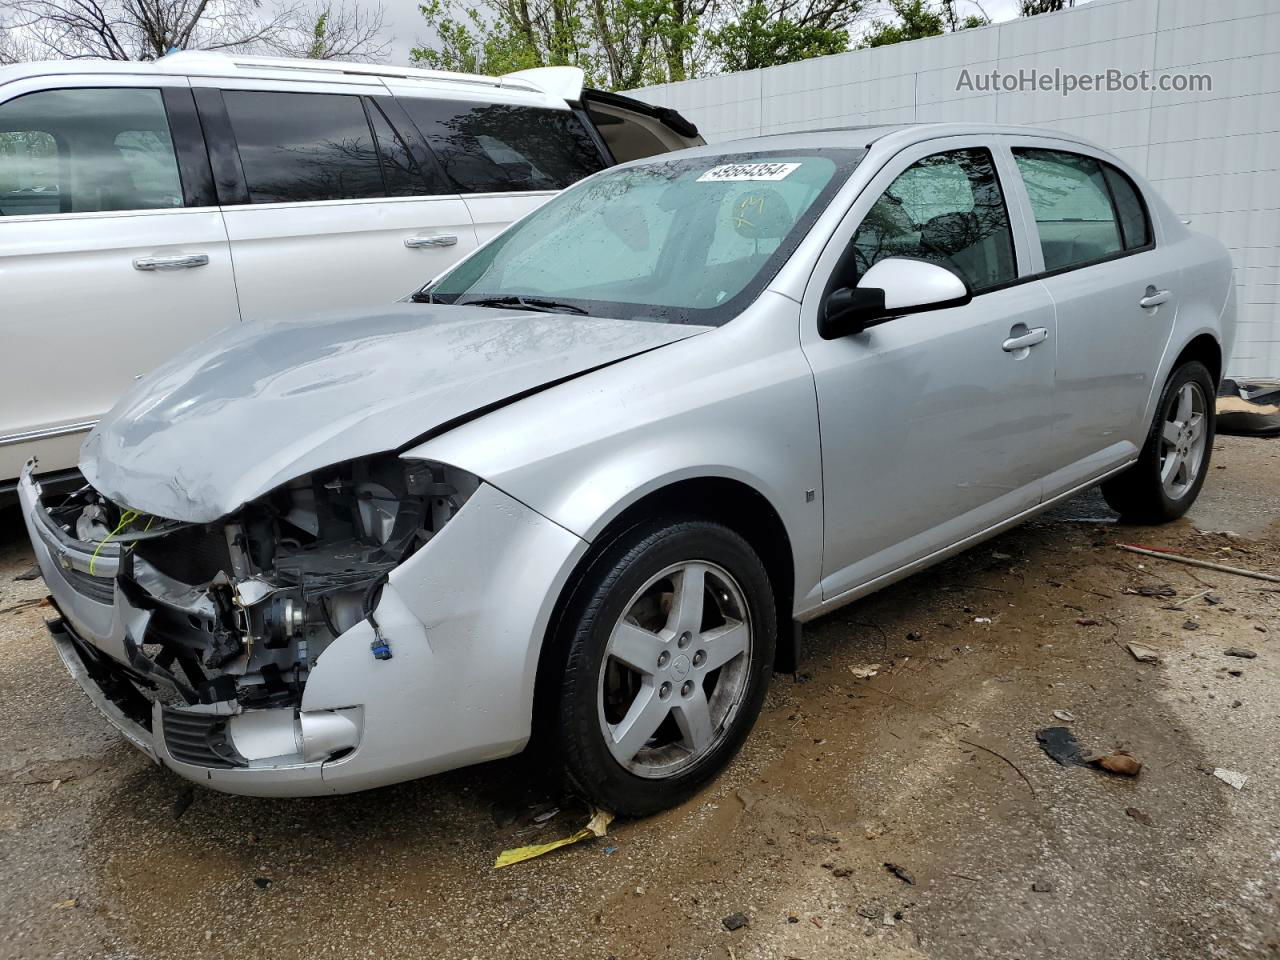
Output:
x,y
399,172
1135,225
495,148
77,151
1072,206
947,208
304,146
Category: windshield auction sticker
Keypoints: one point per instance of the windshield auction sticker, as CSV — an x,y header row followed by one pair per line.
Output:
x,y
750,171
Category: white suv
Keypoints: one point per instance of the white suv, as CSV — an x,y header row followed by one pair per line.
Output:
x,y
144,206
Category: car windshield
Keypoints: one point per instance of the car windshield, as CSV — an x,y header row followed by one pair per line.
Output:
x,y
679,240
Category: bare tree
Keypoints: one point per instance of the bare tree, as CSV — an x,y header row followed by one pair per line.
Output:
x,y
147,29
337,32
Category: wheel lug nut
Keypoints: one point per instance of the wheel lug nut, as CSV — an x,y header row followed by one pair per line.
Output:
x,y
700,658
685,639
686,688
664,691
663,659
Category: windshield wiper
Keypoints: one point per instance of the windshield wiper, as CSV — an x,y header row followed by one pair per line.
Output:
x,y
422,296
537,304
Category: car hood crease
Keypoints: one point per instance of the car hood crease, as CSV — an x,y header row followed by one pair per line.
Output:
x,y
258,405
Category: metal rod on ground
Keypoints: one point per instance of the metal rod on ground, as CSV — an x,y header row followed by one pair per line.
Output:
x,y
1191,561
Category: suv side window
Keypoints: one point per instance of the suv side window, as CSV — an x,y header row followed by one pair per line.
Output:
x,y
500,148
87,150
946,208
1075,200
297,147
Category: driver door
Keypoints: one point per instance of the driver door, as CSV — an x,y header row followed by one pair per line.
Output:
x,y
932,431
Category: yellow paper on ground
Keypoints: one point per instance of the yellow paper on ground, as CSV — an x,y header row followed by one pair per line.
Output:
x,y
597,826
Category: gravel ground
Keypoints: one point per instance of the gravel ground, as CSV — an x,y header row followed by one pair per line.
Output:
x,y
932,765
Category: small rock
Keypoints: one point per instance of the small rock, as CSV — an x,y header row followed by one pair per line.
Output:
x,y
1088,622
792,918
842,872
735,921
872,911
914,637
1260,628
1143,654
1190,625
902,873
1237,672
262,882
1231,777
1042,886
1235,704
1136,814
1212,599
1241,652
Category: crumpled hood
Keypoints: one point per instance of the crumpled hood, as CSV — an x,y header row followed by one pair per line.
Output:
x,y
255,406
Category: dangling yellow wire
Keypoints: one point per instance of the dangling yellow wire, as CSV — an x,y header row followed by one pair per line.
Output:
x,y
126,518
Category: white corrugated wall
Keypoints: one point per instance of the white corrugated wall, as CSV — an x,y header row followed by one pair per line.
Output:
x,y
1215,155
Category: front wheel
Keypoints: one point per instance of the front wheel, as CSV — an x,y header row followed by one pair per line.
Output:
x,y
670,649
1174,461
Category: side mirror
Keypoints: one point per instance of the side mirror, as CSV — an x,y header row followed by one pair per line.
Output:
x,y
892,288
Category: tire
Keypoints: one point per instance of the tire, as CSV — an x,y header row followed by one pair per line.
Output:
x,y
1143,494
639,642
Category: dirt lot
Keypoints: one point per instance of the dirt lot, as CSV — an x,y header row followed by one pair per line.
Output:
x,y
932,764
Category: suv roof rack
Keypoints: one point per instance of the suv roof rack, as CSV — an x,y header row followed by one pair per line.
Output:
x,y
215,60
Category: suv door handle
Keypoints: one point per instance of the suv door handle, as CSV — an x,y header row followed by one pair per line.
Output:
x,y
1029,339
437,240
1154,297
171,263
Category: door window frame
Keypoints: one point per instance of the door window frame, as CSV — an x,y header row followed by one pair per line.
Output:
x,y
189,147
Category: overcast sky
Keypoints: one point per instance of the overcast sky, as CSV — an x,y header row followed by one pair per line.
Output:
x,y
406,28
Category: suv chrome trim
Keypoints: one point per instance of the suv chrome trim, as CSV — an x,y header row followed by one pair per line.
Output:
x,y
46,433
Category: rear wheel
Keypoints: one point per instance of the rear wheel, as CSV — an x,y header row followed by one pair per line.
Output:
x,y
669,653
1174,461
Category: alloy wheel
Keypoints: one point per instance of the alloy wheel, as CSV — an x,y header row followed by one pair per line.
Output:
x,y
1183,441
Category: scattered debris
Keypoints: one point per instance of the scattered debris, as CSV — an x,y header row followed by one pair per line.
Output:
x,y
1155,590
872,911
597,826
545,815
1236,703
981,619
902,873
1066,716
1042,886
33,573
1212,599
865,673
1061,746
1143,654
1231,778
1088,622
842,872
736,921
1241,652
1136,814
1190,625
67,904
1121,763
1192,561
1235,673
1249,408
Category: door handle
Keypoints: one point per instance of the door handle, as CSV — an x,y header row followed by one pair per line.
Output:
x,y
1029,339
436,240
171,263
1154,297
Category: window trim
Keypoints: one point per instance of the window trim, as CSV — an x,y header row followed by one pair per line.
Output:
x,y
224,152
190,149
1119,254
433,176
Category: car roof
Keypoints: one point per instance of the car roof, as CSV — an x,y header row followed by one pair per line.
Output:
x,y
862,138
200,63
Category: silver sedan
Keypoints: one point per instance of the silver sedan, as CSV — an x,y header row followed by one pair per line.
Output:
x,y
592,479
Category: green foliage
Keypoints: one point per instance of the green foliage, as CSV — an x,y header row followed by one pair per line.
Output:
x,y
318,45
917,19
758,38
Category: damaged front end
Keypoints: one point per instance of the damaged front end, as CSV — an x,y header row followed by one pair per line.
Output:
x,y
197,640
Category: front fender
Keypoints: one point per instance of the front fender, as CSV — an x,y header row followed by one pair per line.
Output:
x,y
737,403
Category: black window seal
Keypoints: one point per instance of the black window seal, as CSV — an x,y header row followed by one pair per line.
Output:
x,y
1109,168
365,107
190,149
430,169
224,149
671,119
584,118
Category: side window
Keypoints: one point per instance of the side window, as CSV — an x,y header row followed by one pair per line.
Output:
x,y
947,208
399,171
1135,222
87,150
304,146
498,148
1072,206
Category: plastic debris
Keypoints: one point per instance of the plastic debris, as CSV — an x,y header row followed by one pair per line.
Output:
x,y
902,873
597,826
981,619
1066,716
1061,746
1143,654
1231,778
865,673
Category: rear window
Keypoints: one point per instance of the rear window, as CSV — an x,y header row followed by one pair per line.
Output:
x,y
500,148
304,146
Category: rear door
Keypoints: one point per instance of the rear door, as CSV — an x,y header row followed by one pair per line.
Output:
x,y
632,129
113,254
328,206
1116,295
504,157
